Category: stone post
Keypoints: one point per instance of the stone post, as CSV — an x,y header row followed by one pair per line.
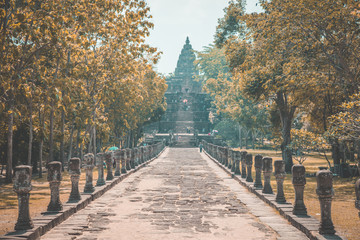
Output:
x,y
22,187
229,158
357,192
280,176
249,162
152,152
108,159
122,155
225,152
128,156
142,151
267,170
74,171
237,163
325,192
89,166
136,156
117,157
221,155
145,153
233,164
243,164
258,165
54,177
218,154
132,158
100,166
299,181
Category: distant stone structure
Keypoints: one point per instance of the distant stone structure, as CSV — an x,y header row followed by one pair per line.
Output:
x,y
187,105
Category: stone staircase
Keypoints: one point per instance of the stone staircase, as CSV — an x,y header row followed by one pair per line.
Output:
x,y
185,141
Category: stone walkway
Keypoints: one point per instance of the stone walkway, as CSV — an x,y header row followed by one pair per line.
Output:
x,y
181,195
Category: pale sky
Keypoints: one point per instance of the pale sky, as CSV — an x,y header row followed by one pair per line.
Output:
x,y
174,20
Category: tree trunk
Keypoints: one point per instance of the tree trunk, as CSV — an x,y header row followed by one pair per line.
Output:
x,y
10,143
252,139
335,152
62,149
51,135
71,142
286,115
41,156
41,144
77,151
240,137
94,133
246,139
30,133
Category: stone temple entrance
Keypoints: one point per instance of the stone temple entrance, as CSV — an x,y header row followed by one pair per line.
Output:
x,y
188,106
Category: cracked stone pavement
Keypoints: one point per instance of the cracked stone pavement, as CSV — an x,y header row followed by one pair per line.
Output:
x,y
180,195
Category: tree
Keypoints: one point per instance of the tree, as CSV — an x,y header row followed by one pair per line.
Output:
x,y
62,69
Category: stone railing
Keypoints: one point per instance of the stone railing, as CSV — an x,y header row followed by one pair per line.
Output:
x,y
264,166
127,160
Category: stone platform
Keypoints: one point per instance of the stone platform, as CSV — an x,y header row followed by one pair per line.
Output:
x,y
181,195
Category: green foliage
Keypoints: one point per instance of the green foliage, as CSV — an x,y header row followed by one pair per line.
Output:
x,y
94,69
227,130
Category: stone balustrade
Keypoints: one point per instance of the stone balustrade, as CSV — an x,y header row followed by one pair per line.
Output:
x,y
258,166
248,162
100,160
22,178
117,157
74,171
264,164
280,175
54,178
325,192
109,166
267,171
22,187
299,181
89,166
243,163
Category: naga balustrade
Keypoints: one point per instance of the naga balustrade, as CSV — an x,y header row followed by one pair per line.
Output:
x,y
22,178
231,158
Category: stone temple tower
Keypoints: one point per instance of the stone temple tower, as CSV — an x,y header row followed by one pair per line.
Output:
x,y
187,106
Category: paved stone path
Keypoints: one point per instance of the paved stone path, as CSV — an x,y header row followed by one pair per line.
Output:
x,y
181,195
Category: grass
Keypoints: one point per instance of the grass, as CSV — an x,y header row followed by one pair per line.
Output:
x,y
39,198
344,214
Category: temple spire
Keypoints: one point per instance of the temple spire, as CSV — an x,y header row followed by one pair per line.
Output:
x,y
185,64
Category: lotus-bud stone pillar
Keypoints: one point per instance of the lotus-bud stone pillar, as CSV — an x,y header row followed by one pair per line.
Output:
x,y
233,162
357,192
100,165
117,157
54,177
325,192
299,181
135,157
280,174
89,166
74,171
22,186
237,163
243,164
258,166
108,159
267,170
249,162
229,158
